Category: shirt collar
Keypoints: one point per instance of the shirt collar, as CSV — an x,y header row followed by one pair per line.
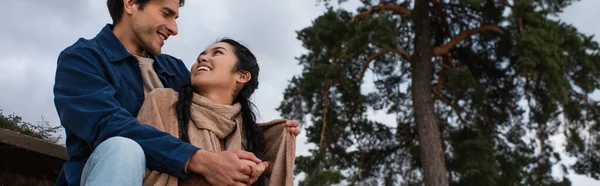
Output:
x,y
115,50
111,45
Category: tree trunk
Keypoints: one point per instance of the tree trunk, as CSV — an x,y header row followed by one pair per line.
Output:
x,y
432,154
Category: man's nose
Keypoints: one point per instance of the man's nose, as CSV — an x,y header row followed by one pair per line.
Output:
x,y
172,27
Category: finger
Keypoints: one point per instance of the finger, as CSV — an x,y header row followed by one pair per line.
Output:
x,y
292,123
247,155
244,178
248,162
245,169
240,184
252,181
266,163
294,131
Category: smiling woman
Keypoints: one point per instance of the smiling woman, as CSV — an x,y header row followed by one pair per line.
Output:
x,y
215,114
218,71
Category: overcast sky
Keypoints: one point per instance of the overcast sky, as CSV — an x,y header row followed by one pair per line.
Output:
x,y
34,32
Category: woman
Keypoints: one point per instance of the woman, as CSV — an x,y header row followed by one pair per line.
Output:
x,y
215,114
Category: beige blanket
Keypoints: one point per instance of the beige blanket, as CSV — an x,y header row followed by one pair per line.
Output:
x,y
215,127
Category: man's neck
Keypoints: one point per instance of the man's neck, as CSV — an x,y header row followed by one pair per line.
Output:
x,y
125,36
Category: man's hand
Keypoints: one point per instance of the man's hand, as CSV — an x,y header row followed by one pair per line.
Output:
x,y
292,125
223,168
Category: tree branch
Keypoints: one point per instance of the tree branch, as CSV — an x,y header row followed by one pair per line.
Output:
x,y
440,81
489,123
440,76
343,53
506,3
325,109
367,62
588,102
403,53
387,7
521,27
325,98
448,115
443,65
451,104
444,49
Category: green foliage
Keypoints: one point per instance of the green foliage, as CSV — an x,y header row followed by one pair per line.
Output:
x,y
42,130
499,97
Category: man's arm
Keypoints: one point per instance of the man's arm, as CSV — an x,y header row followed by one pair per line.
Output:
x,y
86,105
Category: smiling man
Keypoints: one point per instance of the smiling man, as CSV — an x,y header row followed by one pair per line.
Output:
x,y
99,88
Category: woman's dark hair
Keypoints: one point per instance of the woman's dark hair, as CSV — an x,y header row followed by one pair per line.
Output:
x,y
254,136
115,8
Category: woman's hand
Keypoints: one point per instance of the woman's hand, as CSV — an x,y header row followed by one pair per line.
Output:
x,y
223,168
292,125
257,169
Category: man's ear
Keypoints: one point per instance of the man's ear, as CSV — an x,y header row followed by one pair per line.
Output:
x,y
244,77
130,6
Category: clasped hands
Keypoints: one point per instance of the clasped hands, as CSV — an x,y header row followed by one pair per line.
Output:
x,y
232,167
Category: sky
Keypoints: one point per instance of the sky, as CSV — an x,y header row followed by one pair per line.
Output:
x,y
34,33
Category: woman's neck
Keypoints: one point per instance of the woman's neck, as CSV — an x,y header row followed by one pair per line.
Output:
x,y
218,97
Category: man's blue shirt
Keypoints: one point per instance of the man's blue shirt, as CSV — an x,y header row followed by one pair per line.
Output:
x,y
98,92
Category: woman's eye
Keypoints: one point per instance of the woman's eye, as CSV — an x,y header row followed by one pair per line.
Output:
x,y
218,52
165,14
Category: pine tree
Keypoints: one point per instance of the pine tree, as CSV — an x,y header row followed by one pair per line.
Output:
x,y
477,86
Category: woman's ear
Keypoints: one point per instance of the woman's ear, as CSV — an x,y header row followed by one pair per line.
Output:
x,y
130,6
244,77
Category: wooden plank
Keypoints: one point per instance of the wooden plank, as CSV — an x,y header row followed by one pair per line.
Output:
x,y
32,144
27,164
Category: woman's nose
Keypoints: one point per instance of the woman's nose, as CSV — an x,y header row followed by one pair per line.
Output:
x,y
203,59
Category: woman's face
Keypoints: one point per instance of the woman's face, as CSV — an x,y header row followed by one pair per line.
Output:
x,y
214,68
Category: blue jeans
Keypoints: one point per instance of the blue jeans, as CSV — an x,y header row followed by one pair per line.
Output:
x,y
116,161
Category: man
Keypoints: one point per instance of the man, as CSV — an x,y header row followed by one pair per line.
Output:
x,y
99,88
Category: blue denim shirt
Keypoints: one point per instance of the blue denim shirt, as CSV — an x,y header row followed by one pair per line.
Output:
x,y
98,93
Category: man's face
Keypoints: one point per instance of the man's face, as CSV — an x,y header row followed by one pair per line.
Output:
x,y
153,24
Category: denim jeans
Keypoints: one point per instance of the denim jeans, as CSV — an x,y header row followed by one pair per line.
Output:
x,y
116,161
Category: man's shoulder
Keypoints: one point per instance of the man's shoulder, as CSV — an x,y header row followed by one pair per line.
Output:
x,y
82,47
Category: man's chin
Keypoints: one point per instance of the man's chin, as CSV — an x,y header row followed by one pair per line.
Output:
x,y
155,52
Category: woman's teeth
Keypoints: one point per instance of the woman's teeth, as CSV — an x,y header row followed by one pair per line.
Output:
x,y
205,68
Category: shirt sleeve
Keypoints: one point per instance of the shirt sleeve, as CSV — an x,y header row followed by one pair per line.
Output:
x,y
86,104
